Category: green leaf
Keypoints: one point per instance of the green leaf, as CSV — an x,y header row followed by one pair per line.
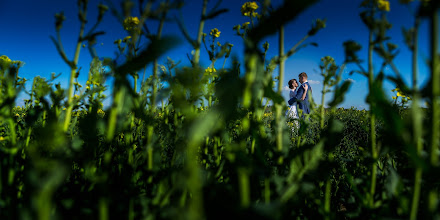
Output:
x,y
340,93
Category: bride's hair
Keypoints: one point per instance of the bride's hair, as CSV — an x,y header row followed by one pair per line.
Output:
x,y
290,83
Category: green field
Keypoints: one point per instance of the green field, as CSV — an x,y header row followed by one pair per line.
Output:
x,y
203,143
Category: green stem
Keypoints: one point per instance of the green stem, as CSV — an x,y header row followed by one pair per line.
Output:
x,y
224,62
416,195
44,118
243,179
135,83
374,152
72,78
118,100
199,34
279,139
328,184
194,184
28,137
103,209
12,131
435,88
435,97
150,147
132,115
267,190
131,213
282,59
417,125
328,187
322,107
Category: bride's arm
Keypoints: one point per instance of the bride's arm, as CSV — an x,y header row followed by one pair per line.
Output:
x,y
305,92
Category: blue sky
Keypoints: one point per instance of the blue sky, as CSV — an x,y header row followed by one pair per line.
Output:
x,y
27,24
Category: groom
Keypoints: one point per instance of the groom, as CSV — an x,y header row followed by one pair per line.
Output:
x,y
304,105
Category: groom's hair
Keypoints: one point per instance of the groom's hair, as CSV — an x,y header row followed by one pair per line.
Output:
x,y
303,74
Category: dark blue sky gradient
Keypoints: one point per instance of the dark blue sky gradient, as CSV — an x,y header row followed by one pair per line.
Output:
x,y
27,24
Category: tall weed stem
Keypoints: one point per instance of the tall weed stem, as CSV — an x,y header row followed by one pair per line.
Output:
x,y
416,124
374,153
280,89
435,97
73,74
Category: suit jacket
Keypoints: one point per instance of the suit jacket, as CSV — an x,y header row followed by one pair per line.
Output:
x,y
304,105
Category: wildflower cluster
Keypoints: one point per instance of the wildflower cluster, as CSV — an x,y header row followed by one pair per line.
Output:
x,y
6,62
383,5
19,112
100,113
5,59
248,9
210,70
215,33
132,24
268,114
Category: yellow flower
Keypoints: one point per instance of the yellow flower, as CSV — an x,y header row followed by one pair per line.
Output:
x,y
5,62
248,8
210,70
383,5
18,115
100,113
131,24
394,97
245,25
126,39
5,58
2,138
215,32
400,94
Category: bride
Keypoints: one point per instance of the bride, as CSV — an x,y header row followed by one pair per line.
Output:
x,y
292,113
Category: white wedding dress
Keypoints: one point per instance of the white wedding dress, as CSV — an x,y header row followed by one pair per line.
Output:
x,y
292,112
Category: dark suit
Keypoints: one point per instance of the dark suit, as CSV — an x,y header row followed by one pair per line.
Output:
x,y
304,105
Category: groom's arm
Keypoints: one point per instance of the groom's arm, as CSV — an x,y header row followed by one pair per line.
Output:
x,y
299,94
297,97
292,100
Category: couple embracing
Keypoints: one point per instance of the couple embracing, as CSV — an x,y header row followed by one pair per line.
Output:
x,y
299,96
